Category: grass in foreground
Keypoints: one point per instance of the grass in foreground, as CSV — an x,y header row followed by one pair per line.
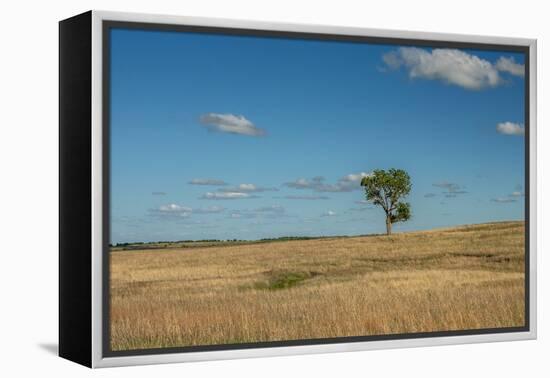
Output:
x,y
467,277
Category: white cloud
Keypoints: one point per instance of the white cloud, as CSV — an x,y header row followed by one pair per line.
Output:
x,y
230,123
350,182
512,197
504,200
266,212
303,183
236,214
207,181
226,195
291,197
354,177
452,188
249,188
328,213
270,209
511,128
336,188
345,184
209,210
448,65
517,194
392,60
172,210
510,66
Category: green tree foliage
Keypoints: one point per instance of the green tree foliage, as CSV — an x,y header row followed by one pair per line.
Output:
x,y
387,189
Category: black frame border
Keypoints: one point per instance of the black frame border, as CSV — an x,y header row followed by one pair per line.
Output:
x,y
75,189
106,27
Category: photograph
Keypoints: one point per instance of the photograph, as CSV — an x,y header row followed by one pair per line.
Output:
x,y
286,188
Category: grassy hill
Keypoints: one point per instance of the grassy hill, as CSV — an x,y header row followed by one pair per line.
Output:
x,y
467,277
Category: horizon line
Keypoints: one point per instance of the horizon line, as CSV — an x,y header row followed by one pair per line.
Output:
x,y
309,237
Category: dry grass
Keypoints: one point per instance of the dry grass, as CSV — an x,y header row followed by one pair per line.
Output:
x,y
462,278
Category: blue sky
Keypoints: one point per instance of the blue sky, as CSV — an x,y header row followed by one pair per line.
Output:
x,y
226,137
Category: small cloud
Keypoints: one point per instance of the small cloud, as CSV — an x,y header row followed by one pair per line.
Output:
x,y
450,66
269,212
504,200
392,60
209,210
175,208
270,209
158,193
350,182
517,194
511,128
172,210
230,123
345,184
226,196
512,197
239,214
303,183
207,181
249,188
305,197
328,213
510,66
363,202
429,195
452,188
355,177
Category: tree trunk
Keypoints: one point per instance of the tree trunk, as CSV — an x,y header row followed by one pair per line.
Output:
x,y
388,225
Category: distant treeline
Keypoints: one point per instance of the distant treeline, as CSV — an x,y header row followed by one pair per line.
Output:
x,y
207,242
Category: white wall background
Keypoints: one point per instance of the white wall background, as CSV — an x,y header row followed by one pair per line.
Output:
x,y
28,189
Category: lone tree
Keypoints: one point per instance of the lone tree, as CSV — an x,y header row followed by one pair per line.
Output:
x,y
387,189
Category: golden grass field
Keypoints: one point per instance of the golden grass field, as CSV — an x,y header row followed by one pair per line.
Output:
x,y
467,277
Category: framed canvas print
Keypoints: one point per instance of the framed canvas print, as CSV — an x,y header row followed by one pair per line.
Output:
x,y
235,189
